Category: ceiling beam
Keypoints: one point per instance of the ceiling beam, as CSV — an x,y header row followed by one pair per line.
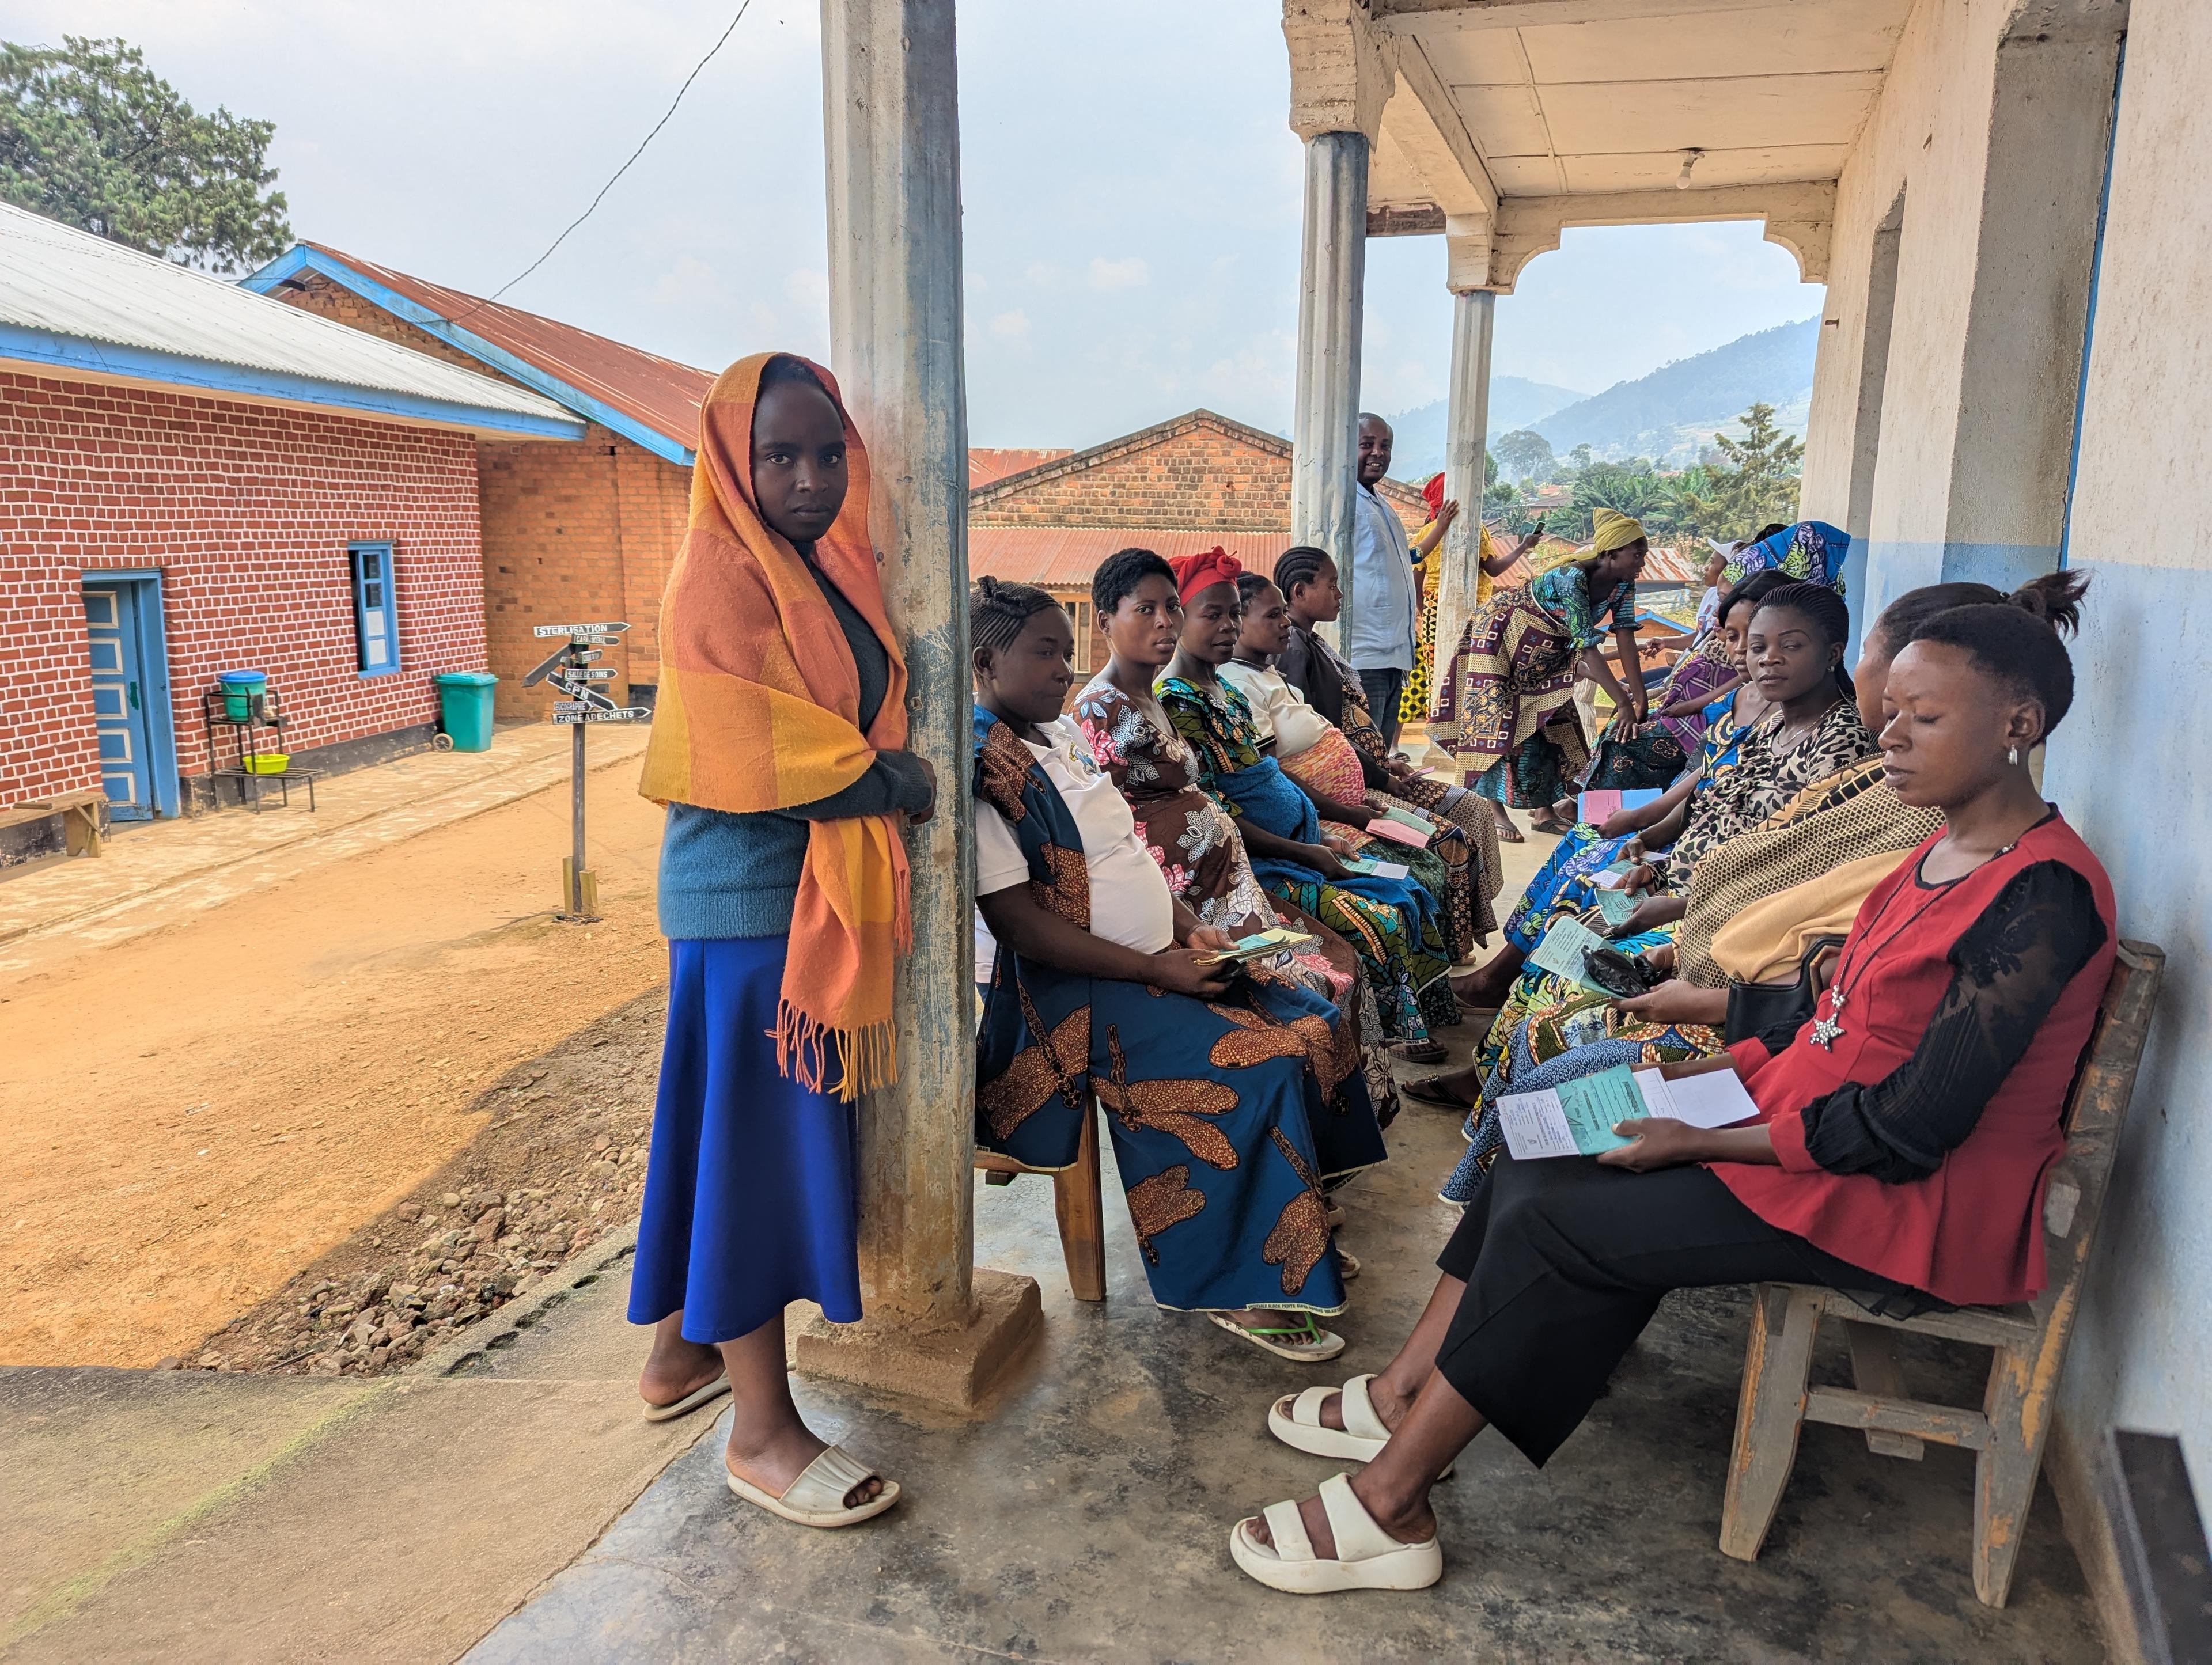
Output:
x,y
1403,17
1425,119
1800,217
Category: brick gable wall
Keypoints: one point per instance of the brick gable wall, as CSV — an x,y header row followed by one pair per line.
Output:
x,y
247,511
573,532
1195,475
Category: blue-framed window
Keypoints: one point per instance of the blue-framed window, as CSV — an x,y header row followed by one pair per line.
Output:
x,y
375,609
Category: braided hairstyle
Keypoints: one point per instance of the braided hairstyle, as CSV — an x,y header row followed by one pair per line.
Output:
x,y
1250,584
1755,589
2054,597
1120,572
1819,606
997,611
1294,566
2014,642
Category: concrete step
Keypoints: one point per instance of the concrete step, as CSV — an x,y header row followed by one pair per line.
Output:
x,y
186,1516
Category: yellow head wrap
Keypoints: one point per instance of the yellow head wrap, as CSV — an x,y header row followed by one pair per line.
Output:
x,y
1612,529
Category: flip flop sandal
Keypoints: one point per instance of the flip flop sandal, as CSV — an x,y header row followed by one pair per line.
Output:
x,y
1478,1017
1509,833
817,1497
1296,1421
1347,1264
690,1401
1367,1557
1321,1344
1334,1217
1551,825
1424,1088
1422,1051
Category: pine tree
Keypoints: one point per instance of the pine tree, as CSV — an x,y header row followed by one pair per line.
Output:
x,y
90,136
1758,483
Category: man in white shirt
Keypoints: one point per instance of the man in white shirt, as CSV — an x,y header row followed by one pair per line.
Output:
x,y
1383,628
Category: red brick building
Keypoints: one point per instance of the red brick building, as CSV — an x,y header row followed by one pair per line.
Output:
x,y
194,479
1179,488
570,533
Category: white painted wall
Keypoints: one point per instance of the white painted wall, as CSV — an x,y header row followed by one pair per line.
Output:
x,y
2125,768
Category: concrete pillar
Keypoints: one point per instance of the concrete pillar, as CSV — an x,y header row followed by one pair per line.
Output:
x,y
934,1329
1332,293
1466,428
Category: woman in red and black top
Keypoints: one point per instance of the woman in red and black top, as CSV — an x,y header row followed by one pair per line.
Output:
x,y
1900,1152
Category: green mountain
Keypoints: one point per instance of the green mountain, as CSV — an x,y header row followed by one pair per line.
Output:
x,y
1515,401
1670,415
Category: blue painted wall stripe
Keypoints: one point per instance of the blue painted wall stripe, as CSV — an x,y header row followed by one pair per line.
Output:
x,y
61,352
300,258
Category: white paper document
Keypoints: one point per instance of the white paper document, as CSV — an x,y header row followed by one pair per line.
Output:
x,y
1576,1118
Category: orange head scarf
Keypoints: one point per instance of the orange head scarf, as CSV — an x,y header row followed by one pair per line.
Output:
x,y
1193,572
758,709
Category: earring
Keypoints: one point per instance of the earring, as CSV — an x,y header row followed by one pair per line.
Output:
x,y
2012,756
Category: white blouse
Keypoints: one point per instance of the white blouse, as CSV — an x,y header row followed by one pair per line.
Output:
x,y
1129,899
1278,709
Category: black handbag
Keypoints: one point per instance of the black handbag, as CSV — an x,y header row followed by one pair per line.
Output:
x,y
1764,1008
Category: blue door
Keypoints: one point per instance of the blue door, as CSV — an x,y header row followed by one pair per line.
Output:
x,y
113,637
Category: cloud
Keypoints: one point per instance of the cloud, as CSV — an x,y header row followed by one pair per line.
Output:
x,y
690,282
1010,325
807,288
1129,274
1044,274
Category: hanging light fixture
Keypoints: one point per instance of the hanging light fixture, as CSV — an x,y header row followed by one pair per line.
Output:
x,y
1690,159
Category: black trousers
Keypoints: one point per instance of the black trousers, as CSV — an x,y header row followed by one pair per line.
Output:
x,y
1564,1262
1383,689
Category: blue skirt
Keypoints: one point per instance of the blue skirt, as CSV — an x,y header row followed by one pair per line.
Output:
x,y
749,1193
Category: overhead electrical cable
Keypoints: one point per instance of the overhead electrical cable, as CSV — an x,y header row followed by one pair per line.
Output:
x,y
619,172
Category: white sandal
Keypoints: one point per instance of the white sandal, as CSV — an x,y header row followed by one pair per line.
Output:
x,y
1296,1421
1367,1557
690,1401
1320,1345
817,1497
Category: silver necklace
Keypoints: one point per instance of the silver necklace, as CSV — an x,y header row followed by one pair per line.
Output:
x,y
1827,1030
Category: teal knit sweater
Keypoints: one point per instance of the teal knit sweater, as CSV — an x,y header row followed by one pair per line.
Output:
x,y
727,875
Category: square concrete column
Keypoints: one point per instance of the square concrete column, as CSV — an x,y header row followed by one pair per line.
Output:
x,y
1466,428
936,1328
1331,295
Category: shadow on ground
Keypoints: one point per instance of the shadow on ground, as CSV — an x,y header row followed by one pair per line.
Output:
x,y
1086,1516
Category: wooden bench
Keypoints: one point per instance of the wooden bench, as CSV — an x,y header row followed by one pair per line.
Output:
x,y
1077,1200
80,811
2027,1341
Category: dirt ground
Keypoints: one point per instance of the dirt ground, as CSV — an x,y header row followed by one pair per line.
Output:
x,y
188,1119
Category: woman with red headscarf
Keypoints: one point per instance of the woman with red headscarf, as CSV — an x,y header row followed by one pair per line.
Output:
x,y
1395,923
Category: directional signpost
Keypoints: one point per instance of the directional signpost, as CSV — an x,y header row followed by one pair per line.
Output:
x,y
569,669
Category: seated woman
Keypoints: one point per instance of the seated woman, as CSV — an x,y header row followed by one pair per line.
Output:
x,y
1191,838
1316,754
1898,1152
1391,923
1229,1100
1564,883
1763,912
1308,667
1810,552
1633,756
1506,706
1812,730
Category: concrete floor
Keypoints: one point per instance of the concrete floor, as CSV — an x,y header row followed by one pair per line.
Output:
x,y
1087,1515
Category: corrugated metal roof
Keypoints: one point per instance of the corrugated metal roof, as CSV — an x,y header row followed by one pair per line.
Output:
x,y
987,464
1064,557
60,281
659,393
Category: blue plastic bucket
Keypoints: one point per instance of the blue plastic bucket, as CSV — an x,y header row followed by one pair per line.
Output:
x,y
241,688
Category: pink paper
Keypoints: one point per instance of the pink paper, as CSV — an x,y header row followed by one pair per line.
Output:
x,y
1379,828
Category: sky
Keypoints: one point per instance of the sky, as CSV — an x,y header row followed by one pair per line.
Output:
x,y
1131,191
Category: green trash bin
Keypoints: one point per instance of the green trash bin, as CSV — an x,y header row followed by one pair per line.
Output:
x,y
464,708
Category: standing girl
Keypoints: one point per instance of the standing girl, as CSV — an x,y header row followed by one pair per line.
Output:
x,y
778,746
